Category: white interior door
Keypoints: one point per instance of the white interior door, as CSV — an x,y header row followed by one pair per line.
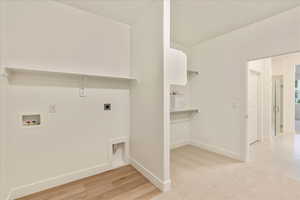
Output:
x,y
253,106
277,105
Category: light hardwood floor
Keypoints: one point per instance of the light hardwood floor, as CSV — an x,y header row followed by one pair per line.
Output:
x,y
273,173
124,183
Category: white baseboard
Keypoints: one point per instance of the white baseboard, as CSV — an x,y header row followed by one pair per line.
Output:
x,y
7,196
162,185
179,144
56,181
217,150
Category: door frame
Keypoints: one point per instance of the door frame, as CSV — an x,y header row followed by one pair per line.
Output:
x,y
260,104
244,115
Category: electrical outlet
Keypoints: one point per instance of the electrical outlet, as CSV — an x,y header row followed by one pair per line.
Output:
x,y
107,106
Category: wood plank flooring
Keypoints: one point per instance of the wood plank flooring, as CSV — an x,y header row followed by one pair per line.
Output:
x,y
124,183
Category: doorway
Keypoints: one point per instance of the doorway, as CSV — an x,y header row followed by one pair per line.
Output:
x,y
272,102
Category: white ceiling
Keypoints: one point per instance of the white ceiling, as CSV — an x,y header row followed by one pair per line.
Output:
x,y
125,11
193,21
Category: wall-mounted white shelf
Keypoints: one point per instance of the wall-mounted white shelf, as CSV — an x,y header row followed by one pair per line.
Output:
x,y
182,110
10,70
177,67
189,71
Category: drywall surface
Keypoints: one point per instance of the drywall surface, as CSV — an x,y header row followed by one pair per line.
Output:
x,y
180,129
147,94
48,34
221,92
74,136
286,66
3,86
180,122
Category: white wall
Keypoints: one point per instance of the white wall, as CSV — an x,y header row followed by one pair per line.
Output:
x,y
147,95
73,142
180,129
220,92
3,86
53,35
286,66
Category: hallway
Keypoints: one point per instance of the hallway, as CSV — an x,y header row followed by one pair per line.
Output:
x,y
273,173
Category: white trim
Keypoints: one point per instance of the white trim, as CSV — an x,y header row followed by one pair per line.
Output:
x,y
209,148
8,197
244,119
38,186
166,100
215,149
162,185
179,144
260,99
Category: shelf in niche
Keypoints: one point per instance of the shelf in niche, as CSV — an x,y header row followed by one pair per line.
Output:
x,y
182,110
10,70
